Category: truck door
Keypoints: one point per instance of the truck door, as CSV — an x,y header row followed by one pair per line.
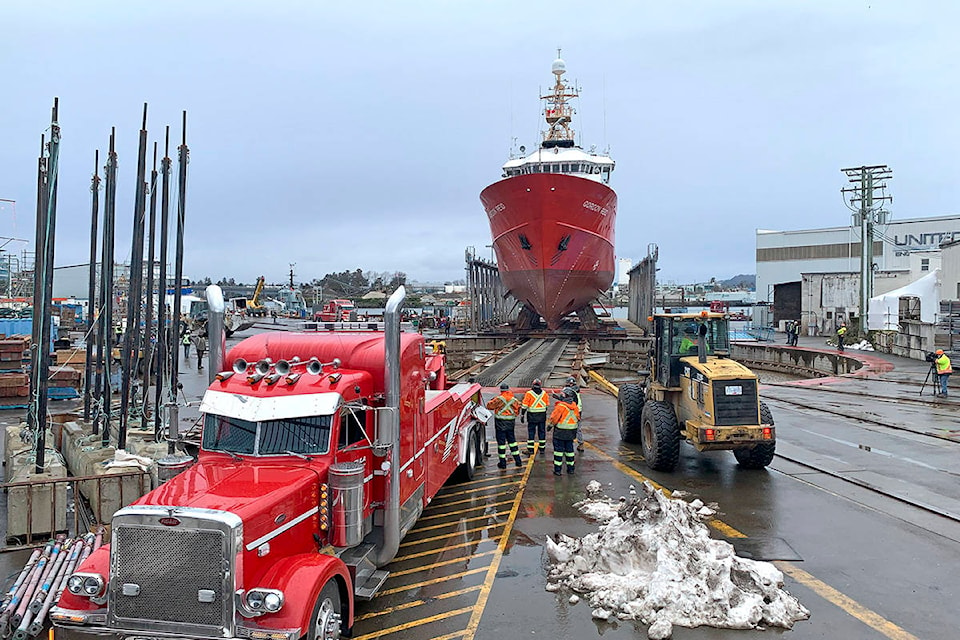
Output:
x,y
352,446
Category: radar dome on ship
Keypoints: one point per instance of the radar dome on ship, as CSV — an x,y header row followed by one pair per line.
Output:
x,y
559,67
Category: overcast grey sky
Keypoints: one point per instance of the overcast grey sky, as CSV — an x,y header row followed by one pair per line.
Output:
x,y
340,135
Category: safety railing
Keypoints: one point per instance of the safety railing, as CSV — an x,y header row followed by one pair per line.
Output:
x,y
40,509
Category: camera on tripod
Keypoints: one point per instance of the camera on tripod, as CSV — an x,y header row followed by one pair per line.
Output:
x,y
930,357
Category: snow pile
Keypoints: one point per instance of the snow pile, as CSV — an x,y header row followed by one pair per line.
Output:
x,y
653,560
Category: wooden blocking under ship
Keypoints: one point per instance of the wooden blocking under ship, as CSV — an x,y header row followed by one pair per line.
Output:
x,y
14,384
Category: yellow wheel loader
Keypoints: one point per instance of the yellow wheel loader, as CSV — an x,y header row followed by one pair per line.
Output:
x,y
695,392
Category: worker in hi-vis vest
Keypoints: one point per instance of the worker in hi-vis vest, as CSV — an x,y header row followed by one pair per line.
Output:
x,y
533,409
943,371
564,421
505,409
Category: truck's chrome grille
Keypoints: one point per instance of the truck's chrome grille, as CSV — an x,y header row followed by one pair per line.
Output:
x,y
735,402
170,565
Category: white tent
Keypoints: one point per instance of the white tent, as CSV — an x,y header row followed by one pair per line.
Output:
x,y
884,310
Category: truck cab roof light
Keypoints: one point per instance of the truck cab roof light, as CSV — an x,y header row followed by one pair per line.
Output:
x,y
273,378
293,377
224,375
254,378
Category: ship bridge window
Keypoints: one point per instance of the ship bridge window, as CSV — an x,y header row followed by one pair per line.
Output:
x,y
565,168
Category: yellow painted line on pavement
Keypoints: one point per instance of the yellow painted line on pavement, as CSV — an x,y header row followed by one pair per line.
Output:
x,y
427,583
451,636
427,567
854,608
474,491
721,527
413,543
474,622
411,625
438,505
459,521
499,476
417,603
420,554
451,514
822,589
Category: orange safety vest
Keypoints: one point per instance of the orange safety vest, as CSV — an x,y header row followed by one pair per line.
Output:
x,y
508,410
565,415
536,403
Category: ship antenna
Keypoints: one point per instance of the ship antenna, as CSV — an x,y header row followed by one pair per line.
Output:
x,y
558,112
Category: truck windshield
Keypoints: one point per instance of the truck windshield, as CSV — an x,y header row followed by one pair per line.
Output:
x,y
272,437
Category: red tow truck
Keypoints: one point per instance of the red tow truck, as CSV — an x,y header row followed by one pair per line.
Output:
x,y
335,311
319,452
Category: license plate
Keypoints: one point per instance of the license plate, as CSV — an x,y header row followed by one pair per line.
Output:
x,y
733,390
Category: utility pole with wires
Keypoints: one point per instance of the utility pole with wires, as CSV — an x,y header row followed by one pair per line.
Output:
x,y
866,199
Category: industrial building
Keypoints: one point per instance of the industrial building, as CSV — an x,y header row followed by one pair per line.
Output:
x,y
814,274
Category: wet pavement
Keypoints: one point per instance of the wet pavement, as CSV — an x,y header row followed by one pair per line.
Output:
x,y
860,510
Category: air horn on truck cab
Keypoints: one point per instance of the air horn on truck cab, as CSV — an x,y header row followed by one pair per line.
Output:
x,y
282,368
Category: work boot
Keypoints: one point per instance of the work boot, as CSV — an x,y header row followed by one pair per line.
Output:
x,y
516,459
570,469
502,464
557,472
580,447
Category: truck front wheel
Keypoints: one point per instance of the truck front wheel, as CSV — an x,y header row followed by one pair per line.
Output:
x,y
659,436
327,620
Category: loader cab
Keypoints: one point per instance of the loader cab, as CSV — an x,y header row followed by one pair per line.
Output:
x,y
677,337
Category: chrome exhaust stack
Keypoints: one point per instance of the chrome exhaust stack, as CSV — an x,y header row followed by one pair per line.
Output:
x,y
216,335
389,436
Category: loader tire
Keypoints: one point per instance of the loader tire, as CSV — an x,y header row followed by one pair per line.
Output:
x,y
760,455
629,412
474,458
659,436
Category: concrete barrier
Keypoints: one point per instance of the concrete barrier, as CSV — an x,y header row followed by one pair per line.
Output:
x,y
35,508
803,362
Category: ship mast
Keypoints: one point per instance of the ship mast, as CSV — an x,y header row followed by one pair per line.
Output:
x,y
557,112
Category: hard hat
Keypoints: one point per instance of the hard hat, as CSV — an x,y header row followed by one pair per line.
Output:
x,y
571,380
504,386
939,352
569,393
690,329
536,382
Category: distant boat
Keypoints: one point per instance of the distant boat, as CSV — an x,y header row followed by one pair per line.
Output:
x,y
552,220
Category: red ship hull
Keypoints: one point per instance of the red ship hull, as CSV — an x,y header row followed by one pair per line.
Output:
x,y
554,236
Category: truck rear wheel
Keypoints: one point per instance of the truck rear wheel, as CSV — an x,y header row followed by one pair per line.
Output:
x,y
474,459
760,455
327,620
659,436
629,412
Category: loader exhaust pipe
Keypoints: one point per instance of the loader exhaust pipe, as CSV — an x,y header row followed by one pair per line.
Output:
x,y
390,428
702,343
216,336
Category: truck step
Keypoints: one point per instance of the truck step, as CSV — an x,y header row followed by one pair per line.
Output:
x,y
371,585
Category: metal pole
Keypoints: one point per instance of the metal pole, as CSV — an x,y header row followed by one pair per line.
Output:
x,y
148,346
92,287
183,159
33,419
43,351
107,284
165,338
128,357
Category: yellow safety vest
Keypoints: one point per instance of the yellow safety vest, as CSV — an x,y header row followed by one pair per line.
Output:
x,y
536,403
507,411
943,364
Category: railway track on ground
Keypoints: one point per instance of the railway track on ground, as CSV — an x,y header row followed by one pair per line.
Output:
x,y
533,359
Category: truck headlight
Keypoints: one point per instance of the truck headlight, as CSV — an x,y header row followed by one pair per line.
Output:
x,y
259,601
86,584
